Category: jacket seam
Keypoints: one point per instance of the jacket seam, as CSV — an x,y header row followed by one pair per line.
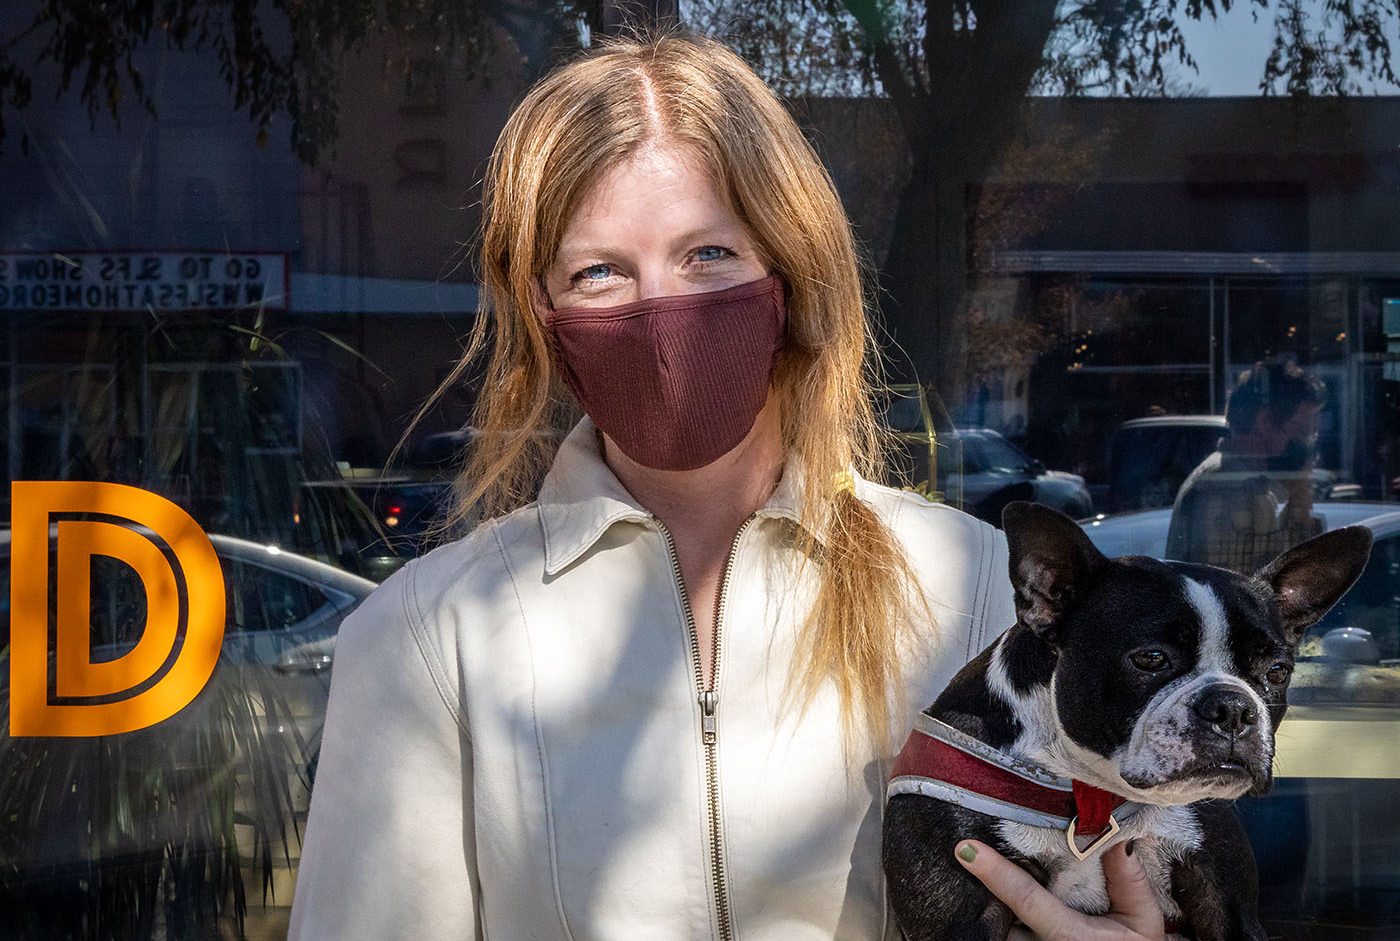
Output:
x,y
985,636
882,763
432,658
984,590
884,766
539,743
437,670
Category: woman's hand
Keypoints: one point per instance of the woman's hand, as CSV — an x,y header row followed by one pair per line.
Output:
x,y
1133,915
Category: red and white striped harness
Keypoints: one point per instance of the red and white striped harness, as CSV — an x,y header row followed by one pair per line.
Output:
x,y
946,764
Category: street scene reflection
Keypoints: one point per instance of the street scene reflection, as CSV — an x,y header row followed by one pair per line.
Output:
x,y
1134,262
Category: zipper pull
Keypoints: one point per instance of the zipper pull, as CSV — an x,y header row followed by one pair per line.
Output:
x,y
708,700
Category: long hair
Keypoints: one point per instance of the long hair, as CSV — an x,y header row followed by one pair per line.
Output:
x,y
699,97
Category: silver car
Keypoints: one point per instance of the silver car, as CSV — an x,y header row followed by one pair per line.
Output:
x,y
981,472
213,798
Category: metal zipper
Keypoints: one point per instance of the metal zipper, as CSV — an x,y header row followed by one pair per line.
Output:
x,y
709,701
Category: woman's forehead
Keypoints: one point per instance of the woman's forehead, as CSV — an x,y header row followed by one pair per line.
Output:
x,y
656,167
660,191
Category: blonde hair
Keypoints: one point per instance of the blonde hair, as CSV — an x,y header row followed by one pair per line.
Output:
x,y
698,96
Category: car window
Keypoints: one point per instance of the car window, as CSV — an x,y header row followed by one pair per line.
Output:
x,y
974,457
1003,457
116,608
1197,443
261,599
257,599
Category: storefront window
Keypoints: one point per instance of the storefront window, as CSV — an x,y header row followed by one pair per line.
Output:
x,y
231,281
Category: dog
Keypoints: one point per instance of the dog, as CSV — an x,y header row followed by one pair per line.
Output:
x,y
1130,701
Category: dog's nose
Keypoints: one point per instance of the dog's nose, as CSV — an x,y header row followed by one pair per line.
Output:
x,y
1227,710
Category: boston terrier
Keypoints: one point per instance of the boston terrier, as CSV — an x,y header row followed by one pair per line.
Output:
x,y
1130,698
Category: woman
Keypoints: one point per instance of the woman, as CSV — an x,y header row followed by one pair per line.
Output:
x,y
659,700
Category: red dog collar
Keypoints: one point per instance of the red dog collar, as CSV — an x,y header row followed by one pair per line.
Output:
x,y
941,762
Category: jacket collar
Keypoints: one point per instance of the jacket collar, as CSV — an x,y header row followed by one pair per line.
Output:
x,y
580,498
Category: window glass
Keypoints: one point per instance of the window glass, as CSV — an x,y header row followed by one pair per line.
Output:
x,y
1134,262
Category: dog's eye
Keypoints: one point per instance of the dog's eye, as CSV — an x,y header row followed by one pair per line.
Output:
x,y
1279,673
1150,660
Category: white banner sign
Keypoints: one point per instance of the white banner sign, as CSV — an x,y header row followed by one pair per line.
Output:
x,y
110,281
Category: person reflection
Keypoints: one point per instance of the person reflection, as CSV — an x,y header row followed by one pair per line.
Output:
x,y
1252,497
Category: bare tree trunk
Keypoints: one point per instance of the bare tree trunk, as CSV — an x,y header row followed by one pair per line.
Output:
x,y
924,277
955,127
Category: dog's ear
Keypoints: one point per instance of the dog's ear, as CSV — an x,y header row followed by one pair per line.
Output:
x,y
1312,576
1052,563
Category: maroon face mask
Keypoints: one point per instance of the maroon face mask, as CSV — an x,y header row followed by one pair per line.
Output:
x,y
675,381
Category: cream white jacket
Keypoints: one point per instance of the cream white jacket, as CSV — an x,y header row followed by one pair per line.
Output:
x,y
515,742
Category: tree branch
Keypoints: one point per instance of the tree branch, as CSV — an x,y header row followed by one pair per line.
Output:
x,y
894,77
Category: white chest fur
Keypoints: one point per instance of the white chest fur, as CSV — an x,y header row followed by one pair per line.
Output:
x,y
1162,835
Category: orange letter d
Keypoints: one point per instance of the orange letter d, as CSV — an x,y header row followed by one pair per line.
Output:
x,y
57,526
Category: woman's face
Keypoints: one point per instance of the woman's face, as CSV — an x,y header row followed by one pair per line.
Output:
x,y
652,226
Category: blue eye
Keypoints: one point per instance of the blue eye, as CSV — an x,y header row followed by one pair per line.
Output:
x,y
594,273
711,253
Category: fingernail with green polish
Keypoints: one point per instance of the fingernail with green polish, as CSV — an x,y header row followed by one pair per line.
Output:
x,y
967,852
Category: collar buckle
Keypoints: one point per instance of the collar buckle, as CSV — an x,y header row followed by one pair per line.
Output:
x,y
1099,843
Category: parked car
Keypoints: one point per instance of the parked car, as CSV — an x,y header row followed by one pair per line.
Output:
x,y
1324,837
985,472
1144,532
975,469
212,797
1150,458
278,605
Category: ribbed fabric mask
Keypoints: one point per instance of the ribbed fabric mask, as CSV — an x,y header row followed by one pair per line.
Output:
x,y
676,381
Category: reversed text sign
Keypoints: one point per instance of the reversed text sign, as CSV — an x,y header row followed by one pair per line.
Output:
x,y
115,281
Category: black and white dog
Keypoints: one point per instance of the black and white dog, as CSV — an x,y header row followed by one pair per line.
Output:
x,y
1130,695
